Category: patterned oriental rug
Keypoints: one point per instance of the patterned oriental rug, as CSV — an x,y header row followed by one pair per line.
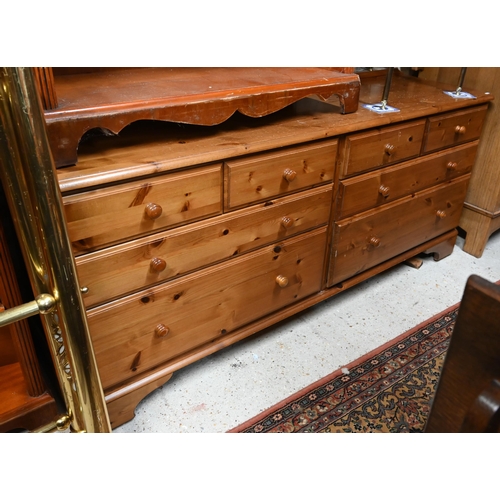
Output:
x,y
388,390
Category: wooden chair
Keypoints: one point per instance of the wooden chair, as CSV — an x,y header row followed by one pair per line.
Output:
x,y
467,398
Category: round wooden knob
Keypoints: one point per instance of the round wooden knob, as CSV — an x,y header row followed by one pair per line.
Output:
x,y
374,241
161,330
287,222
384,191
452,165
389,149
460,129
441,214
153,211
157,265
282,281
289,174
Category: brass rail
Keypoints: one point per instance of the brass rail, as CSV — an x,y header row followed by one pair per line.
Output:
x,y
29,179
43,304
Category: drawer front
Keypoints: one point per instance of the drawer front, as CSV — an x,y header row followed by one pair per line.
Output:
x,y
391,183
126,268
112,214
147,329
369,150
265,176
363,242
454,128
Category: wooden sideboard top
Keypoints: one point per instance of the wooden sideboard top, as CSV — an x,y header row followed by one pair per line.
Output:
x,y
149,147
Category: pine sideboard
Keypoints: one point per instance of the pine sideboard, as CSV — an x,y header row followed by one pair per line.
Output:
x,y
189,238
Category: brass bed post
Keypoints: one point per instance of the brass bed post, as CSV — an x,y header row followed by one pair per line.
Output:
x,y
29,179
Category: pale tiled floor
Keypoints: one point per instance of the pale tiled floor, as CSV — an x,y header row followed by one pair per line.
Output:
x,y
227,388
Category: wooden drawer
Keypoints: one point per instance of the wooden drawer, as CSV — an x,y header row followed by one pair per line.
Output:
x,y
116,213
264,176
386,185
453,128
384,146
380,234
203,306
128,267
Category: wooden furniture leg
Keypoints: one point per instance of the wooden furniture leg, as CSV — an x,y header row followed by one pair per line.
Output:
x,y
479,227
444,248
121,407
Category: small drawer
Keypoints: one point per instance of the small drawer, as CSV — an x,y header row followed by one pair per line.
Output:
x,y
363,242
126,268
369,150
147,329
264,176
117,213
449,129
386,185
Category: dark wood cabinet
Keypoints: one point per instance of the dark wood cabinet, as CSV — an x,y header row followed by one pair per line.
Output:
x,y
25,403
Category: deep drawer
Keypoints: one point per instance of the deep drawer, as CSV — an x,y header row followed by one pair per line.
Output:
x,y
116,213
368,150
453,128
128,267
391,183
146,329
363,242
267,175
